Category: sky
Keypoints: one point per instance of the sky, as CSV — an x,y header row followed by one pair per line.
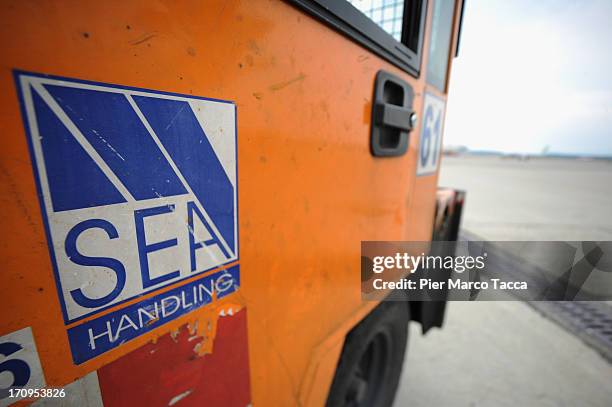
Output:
x,y
533,75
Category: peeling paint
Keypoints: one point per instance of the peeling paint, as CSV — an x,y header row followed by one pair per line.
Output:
x,y
175,368
179,397
202,324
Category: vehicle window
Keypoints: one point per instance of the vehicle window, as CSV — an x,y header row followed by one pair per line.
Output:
x,y
386,13
439,44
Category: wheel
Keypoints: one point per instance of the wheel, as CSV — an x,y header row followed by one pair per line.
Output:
x,y
372,357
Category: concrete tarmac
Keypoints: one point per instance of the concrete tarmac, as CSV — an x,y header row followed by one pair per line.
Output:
x,y
506,353
501,354
536,199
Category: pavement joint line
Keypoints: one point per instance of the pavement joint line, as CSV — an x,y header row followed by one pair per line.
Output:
x,y
591,321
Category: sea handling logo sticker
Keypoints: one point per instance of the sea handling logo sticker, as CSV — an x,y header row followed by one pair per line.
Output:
x,y
138,191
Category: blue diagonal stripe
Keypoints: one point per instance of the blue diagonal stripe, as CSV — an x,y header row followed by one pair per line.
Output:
x,y
75,181
182,136
113,128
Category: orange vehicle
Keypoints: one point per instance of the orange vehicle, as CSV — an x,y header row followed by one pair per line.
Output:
x,y
185,186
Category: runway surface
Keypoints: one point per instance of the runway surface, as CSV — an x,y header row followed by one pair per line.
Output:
x,y
507,353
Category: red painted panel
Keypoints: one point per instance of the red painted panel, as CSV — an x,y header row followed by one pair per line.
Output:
x,y
155,374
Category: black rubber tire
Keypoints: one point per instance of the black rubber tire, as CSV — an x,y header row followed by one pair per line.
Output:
x,y
385,329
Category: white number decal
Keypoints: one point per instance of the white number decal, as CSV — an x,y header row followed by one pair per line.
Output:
x,y
431,135
19,365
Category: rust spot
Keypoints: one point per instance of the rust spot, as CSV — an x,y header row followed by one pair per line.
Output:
x,y
258,95
191,51
254,47
85,35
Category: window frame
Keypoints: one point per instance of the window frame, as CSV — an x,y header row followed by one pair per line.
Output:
x,y
451,53
348,20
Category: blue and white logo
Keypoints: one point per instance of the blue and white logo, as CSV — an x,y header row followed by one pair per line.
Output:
x,y
138,188
430,142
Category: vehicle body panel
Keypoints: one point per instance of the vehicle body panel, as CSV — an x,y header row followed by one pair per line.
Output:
x,y
310,190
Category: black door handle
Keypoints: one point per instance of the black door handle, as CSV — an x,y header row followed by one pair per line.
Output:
x,y
386,114
392,115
